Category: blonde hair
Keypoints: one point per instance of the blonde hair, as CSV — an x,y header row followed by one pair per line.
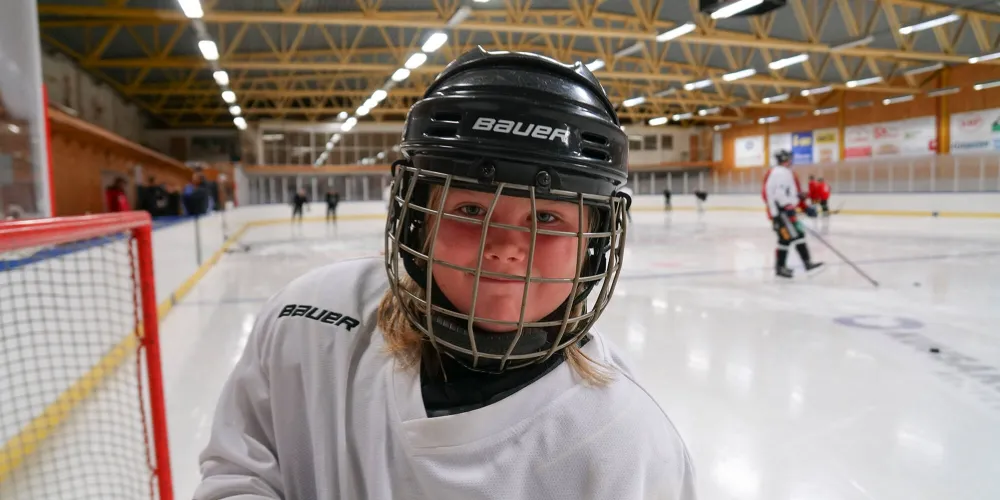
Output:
x,y
409,346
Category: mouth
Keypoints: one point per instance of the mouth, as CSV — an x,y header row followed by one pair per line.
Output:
x,y
492,279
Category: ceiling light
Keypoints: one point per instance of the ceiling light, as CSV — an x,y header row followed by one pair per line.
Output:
x,y
460,15
924,69
700,84
349,124
329,146
864,81
632,49
775,98
818,90
737,75
682,116
434,42
362,111
370,103
342,115
400,75
379,95
897,100
595,65
679,31
415,60
826,111
943,92
229,96
984,57
986,85
789,61
235,110
768,119
664,93
209,50
192,8
658,121
854,43
930,23
240,123
221,77
722,126
708,111
859,104
735,8
635,101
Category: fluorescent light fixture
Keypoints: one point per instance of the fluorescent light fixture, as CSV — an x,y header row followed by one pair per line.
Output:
x,y
221,77
735,8
664,93
192,8
362,111
943,92
682,116
370,103
854,43
595,65
635,101
415,60
859,104
864,81
768,119
335,138
240,122
789,61
818,90
209,50
984,57
329,145
700,84
235,110
924,69
930,23
738,75
400,75
797,114
826,111
677,32
342,115
481,1
349,124
986,85
229,96
460,15
775,98
379,95
708,111
658,121
632,49
897,100
434,42
722,126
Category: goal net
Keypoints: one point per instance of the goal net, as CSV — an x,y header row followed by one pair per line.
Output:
x,y
81,398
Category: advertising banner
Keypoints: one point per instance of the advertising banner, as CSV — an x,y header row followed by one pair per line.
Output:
x,y
826,148
916,136
975,131
749,151
802,148
858,142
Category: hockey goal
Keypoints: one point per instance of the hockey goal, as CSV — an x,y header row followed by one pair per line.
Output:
x,y
81,396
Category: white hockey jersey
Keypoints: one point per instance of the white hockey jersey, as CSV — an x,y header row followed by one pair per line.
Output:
x,y
316,410
781,189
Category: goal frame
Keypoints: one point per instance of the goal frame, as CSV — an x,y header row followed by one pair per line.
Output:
x,y
20,234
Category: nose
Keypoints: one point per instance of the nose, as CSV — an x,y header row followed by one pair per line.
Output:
x,y
506,245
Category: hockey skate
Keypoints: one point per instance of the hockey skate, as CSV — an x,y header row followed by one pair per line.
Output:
x,y
783,272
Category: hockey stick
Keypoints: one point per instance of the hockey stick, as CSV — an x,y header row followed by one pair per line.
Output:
x,y
837,211
842,257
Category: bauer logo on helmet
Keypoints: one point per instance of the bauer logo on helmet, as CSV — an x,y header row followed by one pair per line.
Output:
x,y
522,129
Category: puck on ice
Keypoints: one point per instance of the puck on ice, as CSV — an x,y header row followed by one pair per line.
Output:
x,y
935,350
916,283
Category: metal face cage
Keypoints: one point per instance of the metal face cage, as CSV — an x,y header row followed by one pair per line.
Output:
x,y
411,236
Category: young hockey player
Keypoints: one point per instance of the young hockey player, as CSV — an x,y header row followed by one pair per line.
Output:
x,y
781,197
464,364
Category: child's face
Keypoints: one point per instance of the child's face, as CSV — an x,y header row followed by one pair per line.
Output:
x,y
506,251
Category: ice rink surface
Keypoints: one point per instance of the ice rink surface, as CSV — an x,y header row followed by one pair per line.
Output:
x,y
819,388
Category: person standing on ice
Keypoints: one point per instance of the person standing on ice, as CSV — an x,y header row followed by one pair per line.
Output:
x,y
464,364
781,197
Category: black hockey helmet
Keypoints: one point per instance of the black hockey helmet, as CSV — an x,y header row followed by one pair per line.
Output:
x,y
512,124
782,157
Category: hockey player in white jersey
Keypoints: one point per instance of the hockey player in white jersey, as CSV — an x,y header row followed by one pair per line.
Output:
x,y
781,196
465,364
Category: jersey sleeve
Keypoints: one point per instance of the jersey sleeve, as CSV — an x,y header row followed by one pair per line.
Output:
x,y
240,459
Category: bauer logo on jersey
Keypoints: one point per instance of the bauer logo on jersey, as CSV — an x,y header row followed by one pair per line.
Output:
x,y
522,129
321,315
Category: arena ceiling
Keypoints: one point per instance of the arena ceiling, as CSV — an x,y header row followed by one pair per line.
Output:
x,y
310,60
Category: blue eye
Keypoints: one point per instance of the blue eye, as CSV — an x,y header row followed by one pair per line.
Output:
x,y
546,217
471,210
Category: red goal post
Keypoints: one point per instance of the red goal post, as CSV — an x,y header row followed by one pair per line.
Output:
x,y
82,412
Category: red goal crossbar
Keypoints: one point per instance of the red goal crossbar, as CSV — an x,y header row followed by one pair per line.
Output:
x,y
24,234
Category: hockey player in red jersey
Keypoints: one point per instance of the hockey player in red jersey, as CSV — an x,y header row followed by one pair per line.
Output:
x,y
781,196
823,195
